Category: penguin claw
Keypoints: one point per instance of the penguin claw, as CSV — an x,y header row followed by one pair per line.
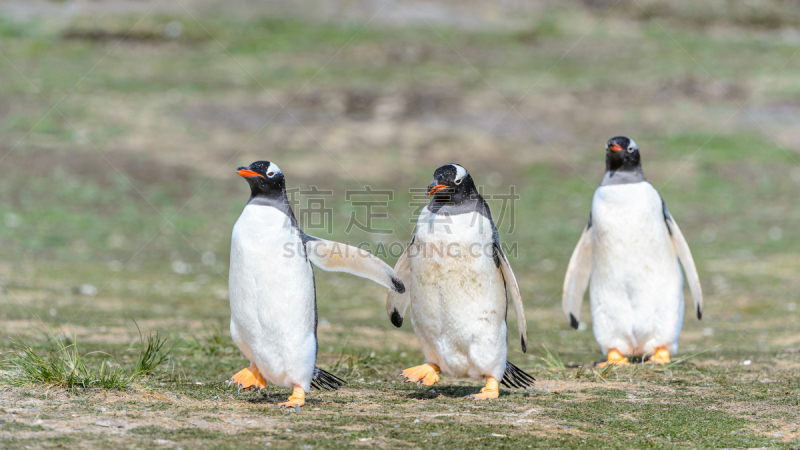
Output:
x,y
491,390
615,358
296,400
247,379
661,357
483,395
426,374
297,408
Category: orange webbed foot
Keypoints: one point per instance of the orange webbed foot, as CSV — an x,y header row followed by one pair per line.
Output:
x,y
615,358
296,400
661,357
426,374
248,378
491,390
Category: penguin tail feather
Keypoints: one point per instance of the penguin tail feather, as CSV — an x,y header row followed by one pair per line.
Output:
x,y
326,381
516,378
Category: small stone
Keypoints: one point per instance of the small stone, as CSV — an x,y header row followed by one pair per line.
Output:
x,y
12,220
173,29
86,289
416,420
209,258
181,267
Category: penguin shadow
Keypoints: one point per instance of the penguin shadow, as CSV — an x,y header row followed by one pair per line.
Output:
x,y
631,359
264,398
445,391
273,398
637,360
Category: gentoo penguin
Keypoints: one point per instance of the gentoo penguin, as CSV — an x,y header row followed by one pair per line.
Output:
x,y
631,249
272,291
457,278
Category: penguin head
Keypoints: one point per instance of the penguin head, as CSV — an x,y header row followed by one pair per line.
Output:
x,y
451,184
265,179
622,154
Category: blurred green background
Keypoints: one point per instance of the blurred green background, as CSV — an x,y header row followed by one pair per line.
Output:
x,y
123,122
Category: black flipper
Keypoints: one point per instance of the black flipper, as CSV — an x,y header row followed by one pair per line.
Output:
x,y
515,378
326,381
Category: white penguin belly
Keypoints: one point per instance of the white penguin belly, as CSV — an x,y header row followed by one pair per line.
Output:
x,y
636,285
458,301
272,297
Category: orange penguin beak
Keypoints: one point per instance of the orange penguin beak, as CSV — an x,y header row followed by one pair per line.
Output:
x,y
615,148
434,189
247,173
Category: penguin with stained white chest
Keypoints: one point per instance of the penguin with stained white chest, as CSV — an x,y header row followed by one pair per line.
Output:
x,y
272,289
457,279
630,256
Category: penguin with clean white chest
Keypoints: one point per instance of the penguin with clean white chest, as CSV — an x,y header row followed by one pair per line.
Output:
x,y
272,290
457,278
630,256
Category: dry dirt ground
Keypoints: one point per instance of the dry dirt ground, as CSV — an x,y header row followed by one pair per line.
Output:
x,y
122,123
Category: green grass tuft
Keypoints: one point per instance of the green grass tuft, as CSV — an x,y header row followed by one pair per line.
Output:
x,y
59,362
357,364
150,354
553,364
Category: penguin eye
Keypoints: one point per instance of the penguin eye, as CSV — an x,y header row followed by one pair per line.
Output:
x,y
270,174
458,181
631,149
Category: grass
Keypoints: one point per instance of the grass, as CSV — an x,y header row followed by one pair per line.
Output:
x,y
138,223
553,364
59,363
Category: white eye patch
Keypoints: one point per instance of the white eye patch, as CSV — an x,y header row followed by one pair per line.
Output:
x,y
273,170
460,172
632,146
